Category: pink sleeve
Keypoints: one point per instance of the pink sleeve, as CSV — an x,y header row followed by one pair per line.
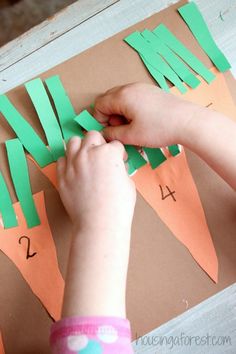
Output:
x,y
91,335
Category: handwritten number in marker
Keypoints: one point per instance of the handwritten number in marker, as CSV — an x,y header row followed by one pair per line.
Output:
x,y
170,193
28,255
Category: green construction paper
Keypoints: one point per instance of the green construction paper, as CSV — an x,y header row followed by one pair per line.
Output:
x,y
64,108
174,150
193,18
131,168
42,105
167,37
20,177
158,77
88,122
28,137
135,159
155,156
6,208
136,41
170,57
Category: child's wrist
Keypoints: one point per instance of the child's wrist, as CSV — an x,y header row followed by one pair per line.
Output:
x,y
191,122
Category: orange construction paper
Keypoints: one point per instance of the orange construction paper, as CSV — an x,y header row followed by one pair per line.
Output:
x,y
34,254
216,96
2,351
193,232
49,171
182,210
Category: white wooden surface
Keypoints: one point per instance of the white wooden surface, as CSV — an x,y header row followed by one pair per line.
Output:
x,y
81,26
47,31
70,33
208,328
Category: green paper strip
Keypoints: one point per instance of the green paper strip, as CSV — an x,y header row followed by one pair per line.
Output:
x,y
174,150
163,33
136,41
88,122
158,77
131,168
170,57
28,137
6,208
42,105
64,108
135,159
20,177
193,17
155,156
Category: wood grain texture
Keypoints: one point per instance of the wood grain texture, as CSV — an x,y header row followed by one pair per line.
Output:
x,y
213,321
46,32
85,24
74,40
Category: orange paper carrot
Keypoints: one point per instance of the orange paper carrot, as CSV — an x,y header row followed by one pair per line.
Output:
x,y
34,254
171,192
185,216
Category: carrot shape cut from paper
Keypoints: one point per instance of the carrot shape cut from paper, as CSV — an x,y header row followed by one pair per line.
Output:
x,y
171,192
49,171
34,254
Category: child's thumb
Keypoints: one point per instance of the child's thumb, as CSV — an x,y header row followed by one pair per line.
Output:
x,y
119,132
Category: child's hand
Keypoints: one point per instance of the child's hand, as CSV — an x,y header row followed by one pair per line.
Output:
x,y
99,197
144,115
95,187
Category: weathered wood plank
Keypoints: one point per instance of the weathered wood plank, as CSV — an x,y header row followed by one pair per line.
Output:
x,y
46,32
112,20
219,14
209,327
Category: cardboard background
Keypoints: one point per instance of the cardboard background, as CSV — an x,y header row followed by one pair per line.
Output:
x,y
162,274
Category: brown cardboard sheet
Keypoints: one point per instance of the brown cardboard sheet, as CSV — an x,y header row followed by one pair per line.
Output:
x,y
163,279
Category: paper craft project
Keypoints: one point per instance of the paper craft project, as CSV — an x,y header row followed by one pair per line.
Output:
x,y
28,137
171,192
175,174
86,121
157,76
167,37
136,41
135,159
20,177
2,351
155,156
171,58
65,110
174,150
34,254
50,171
193,18
42,105
6,208
215,96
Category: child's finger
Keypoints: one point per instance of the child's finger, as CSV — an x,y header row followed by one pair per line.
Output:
x,y
72,148
108,105
121,133
92,138
61,167
120,149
